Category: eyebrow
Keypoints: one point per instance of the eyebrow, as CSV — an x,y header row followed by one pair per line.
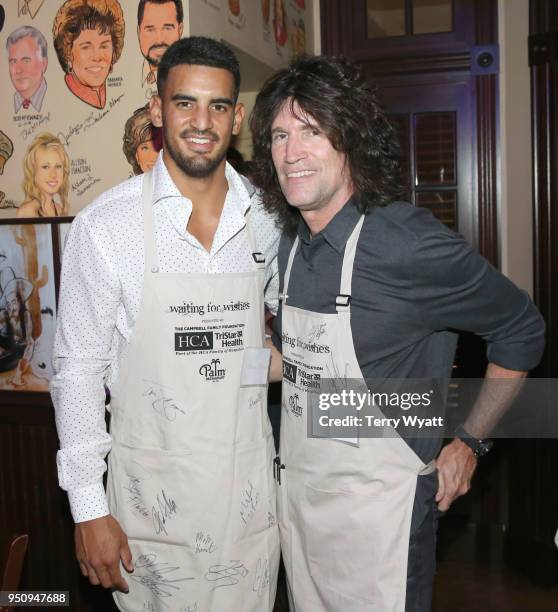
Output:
x,y
227,101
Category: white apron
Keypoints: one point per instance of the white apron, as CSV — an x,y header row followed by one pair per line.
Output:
x,y
190,471
344,509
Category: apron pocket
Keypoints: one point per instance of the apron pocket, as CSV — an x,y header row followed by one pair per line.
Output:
x,y
351,545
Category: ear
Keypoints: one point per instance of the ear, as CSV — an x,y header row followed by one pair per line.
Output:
x,y
239,112
180,29
156,111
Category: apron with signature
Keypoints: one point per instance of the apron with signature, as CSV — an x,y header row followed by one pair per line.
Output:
x,y
190,466
344,505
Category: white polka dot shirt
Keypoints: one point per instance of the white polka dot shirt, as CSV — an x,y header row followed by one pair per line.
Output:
x,y
100,294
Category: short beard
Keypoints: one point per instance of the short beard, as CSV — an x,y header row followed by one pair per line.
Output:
x,y
154,61
194,168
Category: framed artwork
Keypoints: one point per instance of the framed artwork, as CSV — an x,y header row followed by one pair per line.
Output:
x,y
29,280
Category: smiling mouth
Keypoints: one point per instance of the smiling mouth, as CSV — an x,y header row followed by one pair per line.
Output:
x,y
201,141
300,174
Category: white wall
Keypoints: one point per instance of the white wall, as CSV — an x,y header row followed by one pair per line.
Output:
x,y
516,205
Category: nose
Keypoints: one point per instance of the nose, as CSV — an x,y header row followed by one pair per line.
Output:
x,y
294,149
201,119
97,54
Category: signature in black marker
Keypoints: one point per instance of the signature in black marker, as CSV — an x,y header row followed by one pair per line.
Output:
x,y
261,580
154,576
165,509
164,405
205,543
248,503
316,333
226,575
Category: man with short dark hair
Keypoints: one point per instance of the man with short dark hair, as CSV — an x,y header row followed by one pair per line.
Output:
x,y
27,62
373,290
162,303
160,23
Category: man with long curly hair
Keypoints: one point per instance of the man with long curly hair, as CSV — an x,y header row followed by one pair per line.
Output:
x,y
372,289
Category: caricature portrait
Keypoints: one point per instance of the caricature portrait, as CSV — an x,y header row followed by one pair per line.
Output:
x,y
160,23
27,61
46,183
279,22
139,144
88,39
6,150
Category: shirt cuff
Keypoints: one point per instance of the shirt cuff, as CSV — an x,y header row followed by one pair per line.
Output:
x,y
88,503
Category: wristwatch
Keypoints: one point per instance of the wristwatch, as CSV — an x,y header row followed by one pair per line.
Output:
x,y
479,447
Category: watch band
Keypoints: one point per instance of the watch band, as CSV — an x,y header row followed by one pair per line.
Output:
x,y
479,446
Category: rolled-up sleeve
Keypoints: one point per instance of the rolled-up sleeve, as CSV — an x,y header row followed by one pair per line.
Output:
x,y
456,288
89,297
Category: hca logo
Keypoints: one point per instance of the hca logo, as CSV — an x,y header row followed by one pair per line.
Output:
x,y
212,371
193,341
289,371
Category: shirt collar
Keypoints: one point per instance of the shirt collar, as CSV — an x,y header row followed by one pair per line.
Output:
x,y
338,230
85,93
36,98
179,208
164,187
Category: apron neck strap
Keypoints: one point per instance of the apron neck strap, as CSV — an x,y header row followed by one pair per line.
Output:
x,y
284,296
151,258
343,300
257,256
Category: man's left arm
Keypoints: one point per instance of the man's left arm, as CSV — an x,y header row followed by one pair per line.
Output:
x,y
457,463
456,288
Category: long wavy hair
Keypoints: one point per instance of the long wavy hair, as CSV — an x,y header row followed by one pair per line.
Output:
x,y
333,92
46,141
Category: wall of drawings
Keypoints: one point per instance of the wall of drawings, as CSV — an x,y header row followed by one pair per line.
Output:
x,y
77,75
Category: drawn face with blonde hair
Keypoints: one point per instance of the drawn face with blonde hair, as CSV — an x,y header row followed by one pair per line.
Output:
x,y
49,170
91,57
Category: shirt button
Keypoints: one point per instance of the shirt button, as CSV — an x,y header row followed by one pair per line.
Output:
x,y
211,268
154,269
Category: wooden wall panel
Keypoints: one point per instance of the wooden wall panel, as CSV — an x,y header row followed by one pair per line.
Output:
x,y
31,501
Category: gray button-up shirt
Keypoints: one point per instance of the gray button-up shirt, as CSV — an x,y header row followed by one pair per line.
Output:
x,y
414,283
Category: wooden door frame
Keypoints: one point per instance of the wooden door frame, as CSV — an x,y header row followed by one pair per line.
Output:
x,y
544,123
336,39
